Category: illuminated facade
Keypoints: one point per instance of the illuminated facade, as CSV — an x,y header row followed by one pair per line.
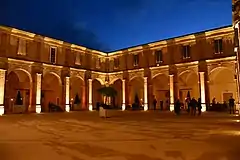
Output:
x,y
46,70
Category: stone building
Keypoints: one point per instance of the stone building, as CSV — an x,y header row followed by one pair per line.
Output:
x,y
47,70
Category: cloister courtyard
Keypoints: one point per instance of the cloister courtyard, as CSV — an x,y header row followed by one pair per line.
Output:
x,y
128,135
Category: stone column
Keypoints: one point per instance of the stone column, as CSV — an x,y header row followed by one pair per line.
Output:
x,y
202,91
67,93
145,94
2,90
38,92
171,87
123,95
90,106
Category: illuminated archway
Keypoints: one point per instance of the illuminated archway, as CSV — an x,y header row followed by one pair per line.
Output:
x,y
222,84
96,96
51,91
136,87
117,100
188,82
161,90
78,88
18,80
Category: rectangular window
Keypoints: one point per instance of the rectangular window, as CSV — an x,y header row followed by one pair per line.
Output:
x,y
98,62
116,62
135,59
218,46
53,53
78,58
22,47
158,56
186,51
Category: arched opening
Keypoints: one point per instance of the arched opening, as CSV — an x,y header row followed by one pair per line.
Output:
x,y
117,100
161,91
77,93
96,96
136,88
188,83
18,85
51,91
222,84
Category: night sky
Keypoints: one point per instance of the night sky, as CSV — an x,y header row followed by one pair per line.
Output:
x,y
109,25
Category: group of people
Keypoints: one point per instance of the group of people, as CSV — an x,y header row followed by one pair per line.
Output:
x,y
193,106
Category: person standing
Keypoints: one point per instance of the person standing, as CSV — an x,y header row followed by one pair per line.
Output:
x,y
231,105
154,103
193,106
199,105
177,107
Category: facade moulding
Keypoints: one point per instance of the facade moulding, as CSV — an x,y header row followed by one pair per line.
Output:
x,y
155,71
80,73
232,58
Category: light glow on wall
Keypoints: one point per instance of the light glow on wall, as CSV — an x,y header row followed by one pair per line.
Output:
x,y
90,107
67,107
2,85
171,93
38,93
123,95
145,95
202,89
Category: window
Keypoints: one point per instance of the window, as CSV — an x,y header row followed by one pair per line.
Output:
x,y
53,51
116,62
186,51
98,61
218,46
78,58
158,56
22,47
135,59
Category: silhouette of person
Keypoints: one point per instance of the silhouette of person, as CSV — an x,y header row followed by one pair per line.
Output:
x,y
231,105
199,105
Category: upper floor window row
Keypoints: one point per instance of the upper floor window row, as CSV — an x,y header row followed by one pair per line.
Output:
x,y
158,56
22,47
186,51
78,58
116,62
218,46
53,55
135,59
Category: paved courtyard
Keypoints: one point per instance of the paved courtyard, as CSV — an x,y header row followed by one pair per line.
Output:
x,y
125,136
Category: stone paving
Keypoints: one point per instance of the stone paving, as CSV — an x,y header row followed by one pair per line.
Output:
x,y
125,136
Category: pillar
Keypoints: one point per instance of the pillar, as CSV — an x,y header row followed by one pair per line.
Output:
x,y
171,84
145,94
123,95
90,106
2,90
38,92
67,94
202,91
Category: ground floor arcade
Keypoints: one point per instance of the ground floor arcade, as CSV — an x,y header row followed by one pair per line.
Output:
x,y
40,84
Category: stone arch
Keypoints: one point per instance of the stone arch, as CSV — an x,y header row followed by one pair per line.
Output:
x,y
54,74
222,84
160,88
188,81
159,74
96,96
77,86
18,80
136,87
51,91
99,80
114,80
117,100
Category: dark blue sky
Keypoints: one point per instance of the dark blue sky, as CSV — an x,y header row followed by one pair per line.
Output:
x,y
114,24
